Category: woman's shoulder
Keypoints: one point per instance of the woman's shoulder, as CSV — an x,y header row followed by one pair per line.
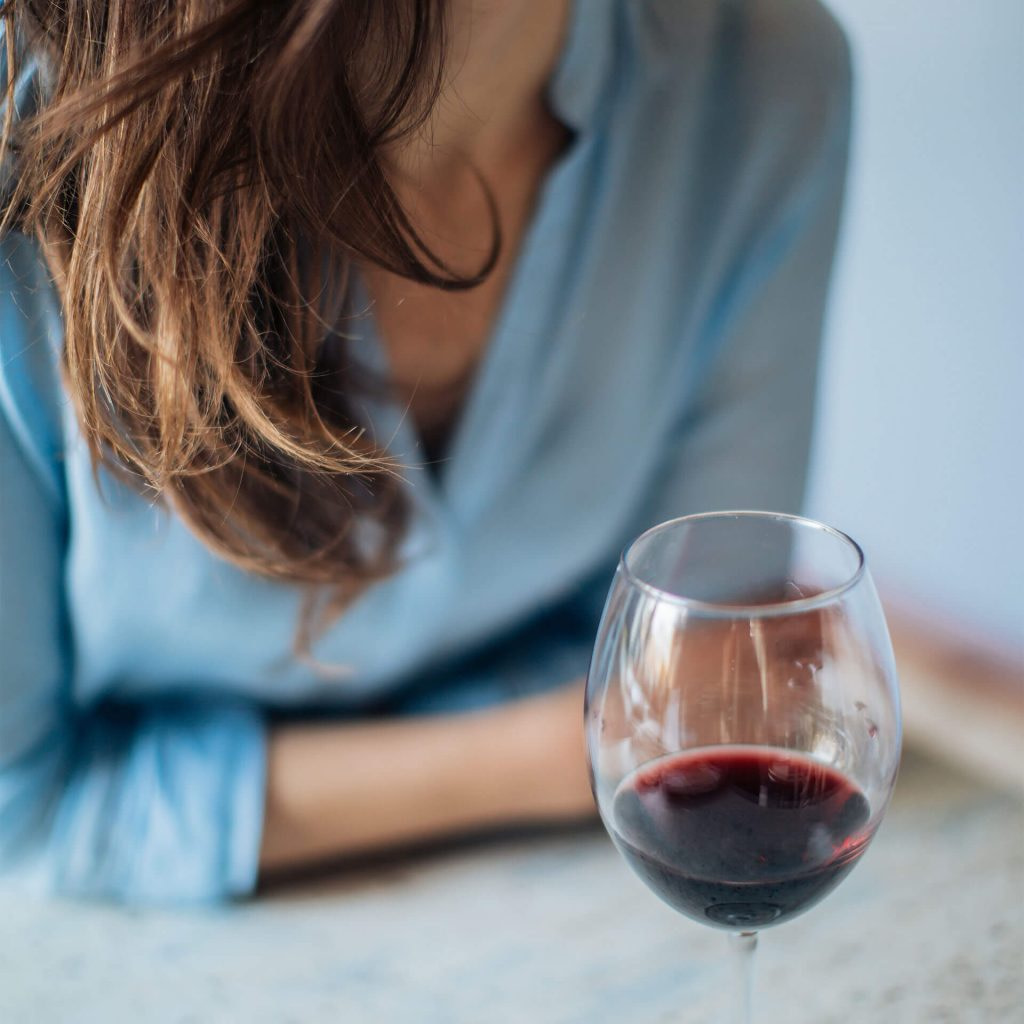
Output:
x,y
736,113
799,43
31,328
31,337
32,82
771,69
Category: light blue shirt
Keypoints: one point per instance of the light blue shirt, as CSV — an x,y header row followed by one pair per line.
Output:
x,y
655,355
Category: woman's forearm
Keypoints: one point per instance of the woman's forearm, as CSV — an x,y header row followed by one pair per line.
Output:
x,y
341,789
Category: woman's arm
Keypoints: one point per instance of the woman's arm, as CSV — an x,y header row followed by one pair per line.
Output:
x,y
142,803
339,789
745,441
164,802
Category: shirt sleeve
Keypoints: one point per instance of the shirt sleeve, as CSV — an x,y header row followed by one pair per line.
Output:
x,y
160,803
742,437
744,441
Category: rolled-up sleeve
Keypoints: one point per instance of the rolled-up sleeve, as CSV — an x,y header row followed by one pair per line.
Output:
x,y
156,803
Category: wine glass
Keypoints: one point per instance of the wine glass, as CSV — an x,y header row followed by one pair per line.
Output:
x,y
742,718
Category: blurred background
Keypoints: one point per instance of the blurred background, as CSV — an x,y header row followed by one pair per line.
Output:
x,y
920,444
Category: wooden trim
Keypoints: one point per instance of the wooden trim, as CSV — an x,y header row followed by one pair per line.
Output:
x,y
960,701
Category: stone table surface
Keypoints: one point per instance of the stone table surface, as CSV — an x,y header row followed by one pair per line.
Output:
x,y
929,928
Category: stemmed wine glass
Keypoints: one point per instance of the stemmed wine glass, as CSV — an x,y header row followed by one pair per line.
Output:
x,y
742,718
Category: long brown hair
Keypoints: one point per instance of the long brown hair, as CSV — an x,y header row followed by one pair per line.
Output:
x,y
202,173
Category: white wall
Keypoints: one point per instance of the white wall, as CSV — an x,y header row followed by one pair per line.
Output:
x,y
920,449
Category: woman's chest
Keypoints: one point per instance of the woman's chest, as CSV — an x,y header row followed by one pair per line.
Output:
x,y
434,342
436,339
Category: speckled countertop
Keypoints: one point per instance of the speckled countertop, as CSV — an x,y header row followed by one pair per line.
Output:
x,y
929,928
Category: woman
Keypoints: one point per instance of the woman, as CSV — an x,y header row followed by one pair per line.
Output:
x,y
344,344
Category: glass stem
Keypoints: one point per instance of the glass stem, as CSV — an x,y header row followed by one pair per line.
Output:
x,y
744,945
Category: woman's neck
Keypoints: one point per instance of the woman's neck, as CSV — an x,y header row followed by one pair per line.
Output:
x,y
501,55
492,125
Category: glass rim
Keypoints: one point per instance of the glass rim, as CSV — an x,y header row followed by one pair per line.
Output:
x,y
724,610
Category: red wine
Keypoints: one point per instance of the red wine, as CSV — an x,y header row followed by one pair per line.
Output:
x,y
740,837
